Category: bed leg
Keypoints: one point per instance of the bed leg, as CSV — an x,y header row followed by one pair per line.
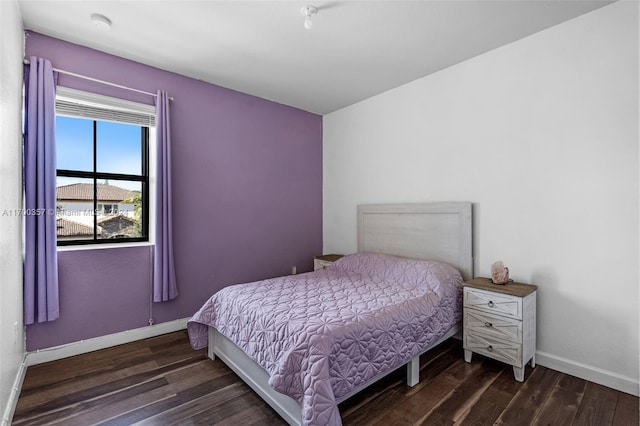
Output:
x,y
413,372
212,343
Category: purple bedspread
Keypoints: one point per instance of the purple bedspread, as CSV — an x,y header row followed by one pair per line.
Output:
x,y
320,335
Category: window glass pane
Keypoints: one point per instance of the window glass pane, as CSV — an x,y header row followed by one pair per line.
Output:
x,y
121,216
74,143
74,210
119,148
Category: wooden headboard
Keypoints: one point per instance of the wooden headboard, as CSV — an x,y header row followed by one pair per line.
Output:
x,y
436,231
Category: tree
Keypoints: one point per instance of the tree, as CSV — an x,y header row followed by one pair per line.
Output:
x,y
136,200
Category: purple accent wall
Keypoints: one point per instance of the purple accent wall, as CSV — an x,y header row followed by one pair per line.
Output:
x,y
247,195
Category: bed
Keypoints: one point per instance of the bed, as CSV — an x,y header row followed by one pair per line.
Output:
x,y
307,342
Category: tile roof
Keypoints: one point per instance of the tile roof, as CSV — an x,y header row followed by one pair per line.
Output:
x,y
108,227
84,192
119,226
69,228
116,218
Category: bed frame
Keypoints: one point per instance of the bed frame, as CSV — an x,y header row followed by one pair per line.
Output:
x,y
437,231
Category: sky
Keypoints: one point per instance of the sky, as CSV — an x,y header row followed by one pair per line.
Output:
x,y
118,149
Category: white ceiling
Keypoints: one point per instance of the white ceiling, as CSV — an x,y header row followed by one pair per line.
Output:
x,y
355,50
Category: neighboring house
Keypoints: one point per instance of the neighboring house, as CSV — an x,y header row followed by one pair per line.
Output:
x,y
75,211
79,197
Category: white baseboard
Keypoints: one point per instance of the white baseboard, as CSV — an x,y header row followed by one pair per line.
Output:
x,y
15,393
96,343
587,372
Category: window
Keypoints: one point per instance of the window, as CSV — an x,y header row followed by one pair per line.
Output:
x,y
107,209
102,186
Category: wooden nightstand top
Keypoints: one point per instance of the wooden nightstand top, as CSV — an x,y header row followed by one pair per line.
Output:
x,y
512,288
329,257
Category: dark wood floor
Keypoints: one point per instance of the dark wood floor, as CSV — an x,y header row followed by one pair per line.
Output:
x,y
162,381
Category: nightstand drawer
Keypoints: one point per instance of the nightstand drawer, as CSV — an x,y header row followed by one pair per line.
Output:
x,y
492,302
496,326
320,264
508,352
324,261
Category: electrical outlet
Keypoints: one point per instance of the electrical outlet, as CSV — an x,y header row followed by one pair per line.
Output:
x,y
294,270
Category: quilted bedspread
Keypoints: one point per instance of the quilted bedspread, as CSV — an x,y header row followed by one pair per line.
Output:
x,y
321,334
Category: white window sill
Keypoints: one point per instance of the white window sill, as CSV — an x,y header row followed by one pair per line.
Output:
x,y
104,246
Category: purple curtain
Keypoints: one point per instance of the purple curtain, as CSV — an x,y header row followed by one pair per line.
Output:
x,y
41,259
164,276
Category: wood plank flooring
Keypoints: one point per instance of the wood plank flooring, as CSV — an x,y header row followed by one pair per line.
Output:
x,y
162,381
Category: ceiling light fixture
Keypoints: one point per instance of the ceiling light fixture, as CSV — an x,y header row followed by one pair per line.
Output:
x,y
100,21
308,11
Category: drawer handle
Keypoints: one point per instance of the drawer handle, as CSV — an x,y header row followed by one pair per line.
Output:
x,y
488,324
490,303
490,348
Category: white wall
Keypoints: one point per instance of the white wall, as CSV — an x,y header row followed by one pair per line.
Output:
x,y
11,336
542,136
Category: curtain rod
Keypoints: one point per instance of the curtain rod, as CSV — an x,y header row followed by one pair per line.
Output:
x,y
27,62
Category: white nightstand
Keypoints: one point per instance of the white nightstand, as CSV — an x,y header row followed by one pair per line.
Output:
x,y
500,322
321,262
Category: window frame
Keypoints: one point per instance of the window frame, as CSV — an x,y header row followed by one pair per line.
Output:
x,y
107,103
